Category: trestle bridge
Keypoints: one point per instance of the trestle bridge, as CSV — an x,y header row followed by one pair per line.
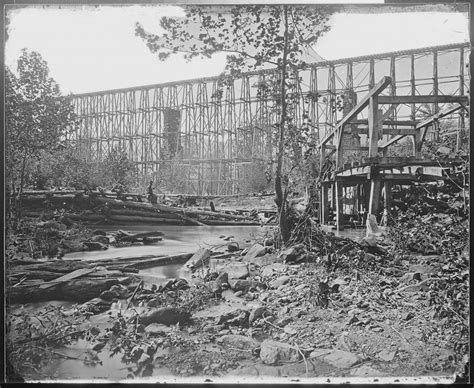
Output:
x,y
218,136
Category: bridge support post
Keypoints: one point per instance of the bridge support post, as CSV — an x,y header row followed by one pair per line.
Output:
x,y
324,206
374,200
388,198
339,205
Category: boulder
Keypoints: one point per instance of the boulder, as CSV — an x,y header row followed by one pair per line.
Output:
x,y
256,313
254,251
234,318
233,246
239,342
292,253
95,246
166,316
244,285
100,239
265,260
269,270
335,357
157,329
272,352
234,269
280,281
73,246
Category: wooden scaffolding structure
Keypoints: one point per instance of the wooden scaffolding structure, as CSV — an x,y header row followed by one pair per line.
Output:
x,y
216,132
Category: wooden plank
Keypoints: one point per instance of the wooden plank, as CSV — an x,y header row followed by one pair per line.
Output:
x,y
426,99
373,126
381,85
65,278
347,148
391,141
385,122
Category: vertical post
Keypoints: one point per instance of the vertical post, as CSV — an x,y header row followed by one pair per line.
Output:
x,y
388,197
339,206
324,211
417,144
371,74
412,83
375,188
339,148
461,92
435,79
313,101
374,126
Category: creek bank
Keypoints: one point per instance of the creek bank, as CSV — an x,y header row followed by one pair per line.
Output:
x,y
337,308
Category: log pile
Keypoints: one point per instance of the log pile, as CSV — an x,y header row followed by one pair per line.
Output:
x,y
109,208
75,280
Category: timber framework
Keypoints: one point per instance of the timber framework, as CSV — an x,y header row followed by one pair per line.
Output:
x,y
217,136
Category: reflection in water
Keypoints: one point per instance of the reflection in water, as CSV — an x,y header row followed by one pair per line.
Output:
x,y
176,240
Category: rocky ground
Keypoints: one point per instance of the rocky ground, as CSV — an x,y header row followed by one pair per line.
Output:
x,y
263,313
394,303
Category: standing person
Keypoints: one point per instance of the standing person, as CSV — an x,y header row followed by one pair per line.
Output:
x,y
151,195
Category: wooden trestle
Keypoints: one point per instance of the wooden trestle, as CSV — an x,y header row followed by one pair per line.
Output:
x,y
376,172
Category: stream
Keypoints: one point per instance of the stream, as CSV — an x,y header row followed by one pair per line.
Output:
x,y
176,240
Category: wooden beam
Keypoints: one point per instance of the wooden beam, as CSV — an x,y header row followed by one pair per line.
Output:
x,y
339,206
324,211
374,125
375,189
422,126
437,116
385,131
347,148
386,122
428,99
381,85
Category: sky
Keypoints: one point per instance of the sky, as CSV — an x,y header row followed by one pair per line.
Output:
x,y
92,48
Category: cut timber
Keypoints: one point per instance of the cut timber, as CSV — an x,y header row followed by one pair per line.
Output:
x,y
152,220
200,258
62,279
143,213
158,261
77,290
62,267
231,223
125,236
72,216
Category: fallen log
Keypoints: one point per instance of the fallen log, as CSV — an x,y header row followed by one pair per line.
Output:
x,y
170,209
65,278
72,216
159,261
148,220
126,236
56,266
77,290
144,213
231,223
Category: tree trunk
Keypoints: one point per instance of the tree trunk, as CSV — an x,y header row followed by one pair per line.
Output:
x,y
280,197
22,182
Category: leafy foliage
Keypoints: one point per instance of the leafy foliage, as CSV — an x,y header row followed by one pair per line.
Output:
x,y
254,37
37,116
